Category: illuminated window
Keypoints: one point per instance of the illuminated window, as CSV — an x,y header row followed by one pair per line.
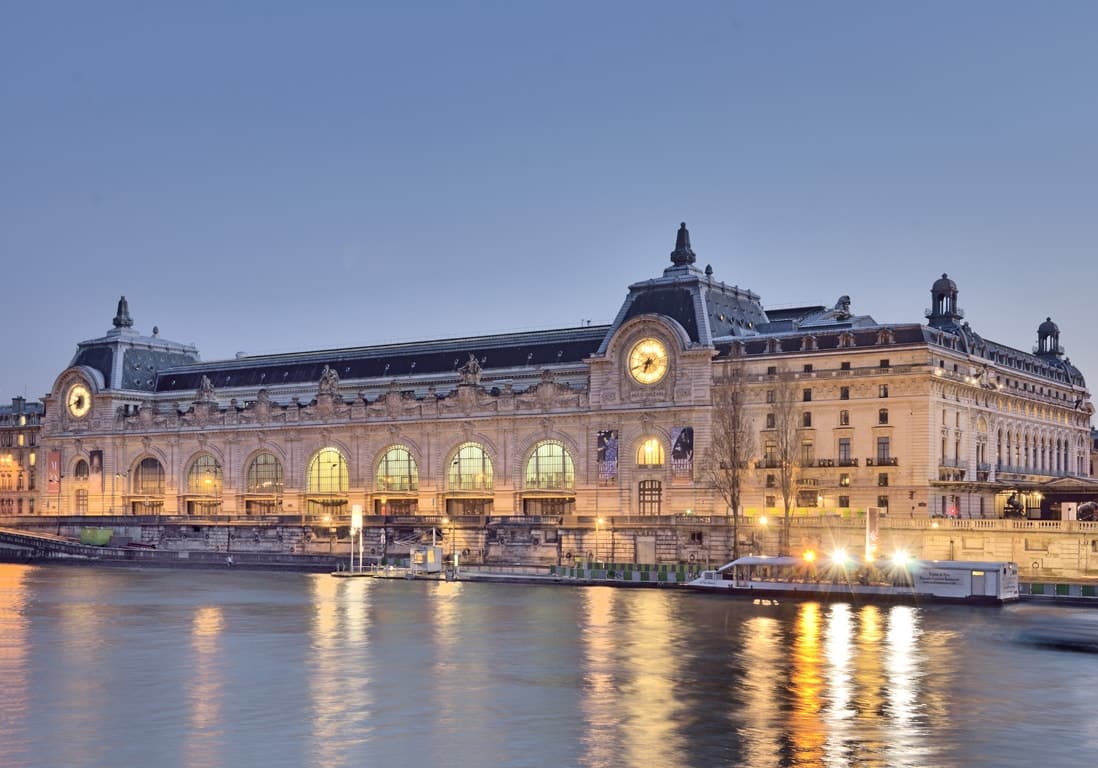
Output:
x,y
470,469
397,470
327,472
550,467
204,476
844,481
650,453
265,474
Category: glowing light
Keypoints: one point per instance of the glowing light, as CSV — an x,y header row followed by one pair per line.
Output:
x,y
900,558
809,556
762,520
839,557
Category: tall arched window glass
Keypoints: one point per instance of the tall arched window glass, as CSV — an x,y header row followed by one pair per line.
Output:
x,y
650,453
397,470
148,478
327,472
204,476
265,474
80,472
470,469
550,467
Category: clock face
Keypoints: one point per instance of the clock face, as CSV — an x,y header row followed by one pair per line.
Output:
x,y
78,400
648,361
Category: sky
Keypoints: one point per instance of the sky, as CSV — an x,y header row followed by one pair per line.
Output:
x,y
268,177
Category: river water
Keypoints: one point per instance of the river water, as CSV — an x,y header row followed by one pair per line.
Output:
x,y
159,668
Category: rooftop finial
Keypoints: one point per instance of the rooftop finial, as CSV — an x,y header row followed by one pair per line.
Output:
x,y
682,254
123,319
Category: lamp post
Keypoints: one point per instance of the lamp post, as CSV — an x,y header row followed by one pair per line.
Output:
x,y
598,525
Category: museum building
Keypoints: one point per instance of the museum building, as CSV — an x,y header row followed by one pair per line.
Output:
x,y
914,418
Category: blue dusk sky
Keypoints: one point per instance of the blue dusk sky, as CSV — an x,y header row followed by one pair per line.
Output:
x,y
275,177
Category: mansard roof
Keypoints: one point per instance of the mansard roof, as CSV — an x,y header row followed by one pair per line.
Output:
x,y
534,350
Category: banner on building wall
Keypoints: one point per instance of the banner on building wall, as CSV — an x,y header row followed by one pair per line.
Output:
x,y
95,471
682,451
872,524
607,455
53,472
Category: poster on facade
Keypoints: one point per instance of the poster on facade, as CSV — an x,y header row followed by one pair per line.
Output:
x,y
95,471
53,472
682,451
872,524
607,455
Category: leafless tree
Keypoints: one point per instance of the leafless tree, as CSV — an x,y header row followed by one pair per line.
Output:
x,y
785,436
733,444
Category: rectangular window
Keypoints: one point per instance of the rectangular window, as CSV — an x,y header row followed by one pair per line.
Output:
x,y
769,421
884,363
882,416
844,365
769,395
808,455
770,453
882,478
883,449
844,418
844,480
808,367
844,502
770,481
650,496
770,501
806,396
882,502
772,370
882,390
844,393
806,418
844,449
807,499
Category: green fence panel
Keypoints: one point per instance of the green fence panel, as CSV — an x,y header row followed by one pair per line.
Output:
x,y
1063,589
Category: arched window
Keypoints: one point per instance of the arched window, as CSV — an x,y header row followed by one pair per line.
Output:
x,y
204,476
265,474
650,453
470,469
80,471
397,470
148,478
327,472
550,467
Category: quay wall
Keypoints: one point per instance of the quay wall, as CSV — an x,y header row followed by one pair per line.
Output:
x,y
1045,550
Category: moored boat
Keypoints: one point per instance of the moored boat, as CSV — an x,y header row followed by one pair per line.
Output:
x,y
838,578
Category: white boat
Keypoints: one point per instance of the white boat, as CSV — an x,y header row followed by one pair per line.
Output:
x,y
840,579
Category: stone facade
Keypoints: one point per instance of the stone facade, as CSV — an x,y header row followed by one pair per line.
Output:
x,y
578,424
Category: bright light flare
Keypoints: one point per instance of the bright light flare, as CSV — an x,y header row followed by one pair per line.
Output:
x,y
900,558
840,558
810,556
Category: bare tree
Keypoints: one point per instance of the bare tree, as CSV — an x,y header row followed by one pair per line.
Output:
x,y
733,444
786,444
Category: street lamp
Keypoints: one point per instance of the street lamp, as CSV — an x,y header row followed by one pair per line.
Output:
x,y
598,525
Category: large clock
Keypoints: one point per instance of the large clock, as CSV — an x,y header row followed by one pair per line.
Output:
x,y
78,400
648,361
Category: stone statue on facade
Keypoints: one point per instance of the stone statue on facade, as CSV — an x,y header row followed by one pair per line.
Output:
x,y
329,381
205,389
470,372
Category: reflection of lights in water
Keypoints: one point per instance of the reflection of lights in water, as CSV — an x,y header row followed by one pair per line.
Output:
x,y
445,600
602,743
651,732
204,695
13,663
902,664
839,713
806,727
759,721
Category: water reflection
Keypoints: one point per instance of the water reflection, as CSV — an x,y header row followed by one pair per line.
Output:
x,y
14,689
204,690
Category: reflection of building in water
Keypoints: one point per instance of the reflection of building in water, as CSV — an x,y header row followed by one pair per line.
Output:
x,y
807,729
603,741
205,695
